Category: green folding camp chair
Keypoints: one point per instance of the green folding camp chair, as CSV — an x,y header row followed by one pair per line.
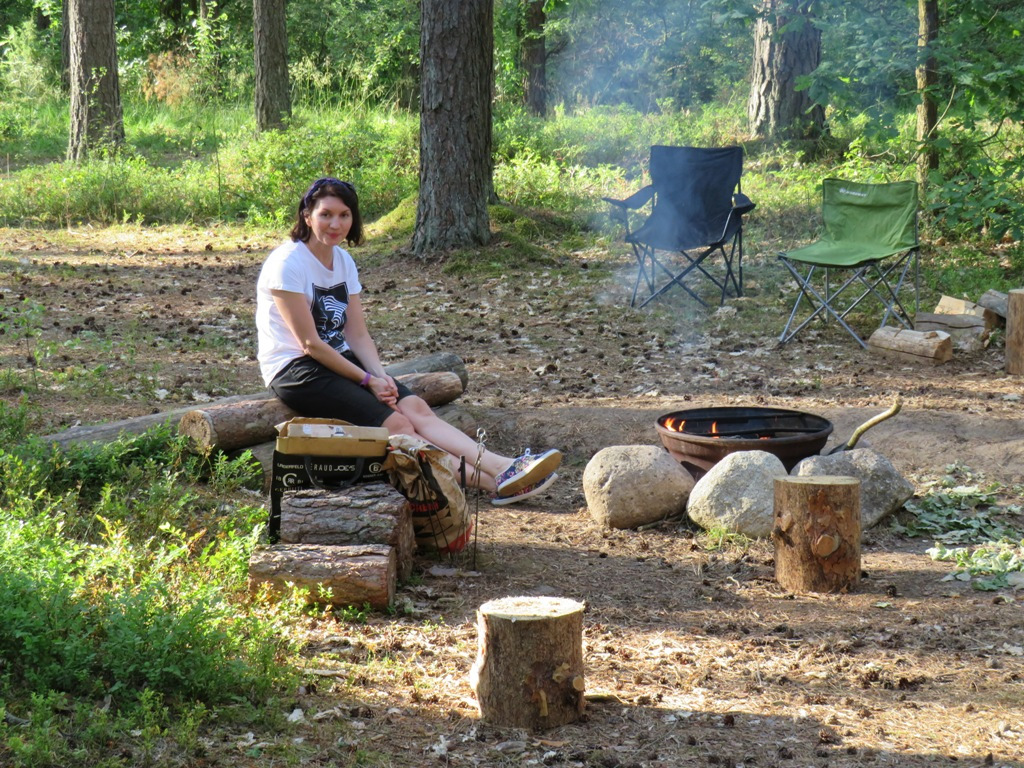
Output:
x,y
870,232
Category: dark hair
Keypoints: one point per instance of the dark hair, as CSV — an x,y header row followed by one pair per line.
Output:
x,y
328,187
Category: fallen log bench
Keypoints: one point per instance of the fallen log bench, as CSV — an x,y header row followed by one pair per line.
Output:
x,y
374,513
110,431
353,575
232,426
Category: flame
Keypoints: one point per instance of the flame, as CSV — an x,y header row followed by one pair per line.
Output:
x,y
675,424
714,428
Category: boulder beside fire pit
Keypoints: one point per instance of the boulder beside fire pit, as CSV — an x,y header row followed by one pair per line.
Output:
x,y
738,493
631,485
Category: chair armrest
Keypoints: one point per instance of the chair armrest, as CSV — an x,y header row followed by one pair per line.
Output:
x,y
634,201
742,204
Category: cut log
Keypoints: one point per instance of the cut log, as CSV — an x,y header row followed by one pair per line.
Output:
x,y
110,431
339,576
1015,333
951,306
460,418
931,347
238,425
372,513
928,321
529,666
968,331
817,533
996,301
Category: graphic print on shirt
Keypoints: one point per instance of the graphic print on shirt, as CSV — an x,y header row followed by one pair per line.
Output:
x,y
329,307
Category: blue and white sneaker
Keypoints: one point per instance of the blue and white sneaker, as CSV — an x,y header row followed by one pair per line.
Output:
x,y
527,470
525,493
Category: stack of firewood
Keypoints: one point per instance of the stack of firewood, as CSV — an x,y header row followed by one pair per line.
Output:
x,y
955,324
347,547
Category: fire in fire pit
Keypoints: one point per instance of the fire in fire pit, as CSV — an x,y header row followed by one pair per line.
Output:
x,y
700,437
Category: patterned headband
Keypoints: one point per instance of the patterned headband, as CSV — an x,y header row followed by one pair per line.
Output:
x,y
316,186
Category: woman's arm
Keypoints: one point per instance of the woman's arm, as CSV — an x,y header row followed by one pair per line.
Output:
x,y
295,312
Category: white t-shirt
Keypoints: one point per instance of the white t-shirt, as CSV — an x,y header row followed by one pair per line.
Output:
x,y
293,267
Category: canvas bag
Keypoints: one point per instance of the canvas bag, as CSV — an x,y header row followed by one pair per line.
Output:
x,y
423,473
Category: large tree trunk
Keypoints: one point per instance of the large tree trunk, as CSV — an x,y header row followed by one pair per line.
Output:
x,y
534,57
270,48
457,84
927,79
96,118
777,110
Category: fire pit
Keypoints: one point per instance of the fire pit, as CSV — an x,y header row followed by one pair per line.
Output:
x,y
700,437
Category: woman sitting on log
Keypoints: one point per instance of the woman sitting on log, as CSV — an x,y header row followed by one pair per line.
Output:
x,y
317,355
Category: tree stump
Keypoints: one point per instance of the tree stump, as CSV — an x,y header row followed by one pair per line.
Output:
x,y
372,513
1015,333
529,666
817,533
338,576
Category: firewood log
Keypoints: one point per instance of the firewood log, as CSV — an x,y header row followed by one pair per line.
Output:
x,y
817,533
932,347
995,301
529,667
373,513
339,576
239,425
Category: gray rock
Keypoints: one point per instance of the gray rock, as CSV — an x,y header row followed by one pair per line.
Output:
x,y
631,485
883,490
738,494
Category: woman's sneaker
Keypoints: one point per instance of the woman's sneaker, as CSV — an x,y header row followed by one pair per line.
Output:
x,y
527,470
525,493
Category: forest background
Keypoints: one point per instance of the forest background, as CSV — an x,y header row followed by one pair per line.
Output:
x,y
109,549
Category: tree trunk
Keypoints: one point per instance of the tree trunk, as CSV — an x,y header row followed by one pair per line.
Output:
x,y
339,576
534,58
96,118
457,86
372,513
776,110
529,665
231,426
270,51
1015,333
927,79
817,533
65,47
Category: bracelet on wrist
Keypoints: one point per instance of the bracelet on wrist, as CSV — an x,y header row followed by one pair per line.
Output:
x,y
366,380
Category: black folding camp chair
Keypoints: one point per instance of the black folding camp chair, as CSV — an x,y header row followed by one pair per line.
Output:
x,y
869,237
696,211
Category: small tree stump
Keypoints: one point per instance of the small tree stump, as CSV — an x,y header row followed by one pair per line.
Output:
x,y
371,513
529,666
338,576
817,533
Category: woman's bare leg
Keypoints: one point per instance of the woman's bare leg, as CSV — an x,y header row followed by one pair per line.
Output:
x,y
415,418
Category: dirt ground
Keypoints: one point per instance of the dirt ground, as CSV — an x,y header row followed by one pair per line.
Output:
x,y
693,655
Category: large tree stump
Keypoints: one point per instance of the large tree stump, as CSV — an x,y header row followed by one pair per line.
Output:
x,y
373,513
1015,333
338,576
231,426
529,666
817,533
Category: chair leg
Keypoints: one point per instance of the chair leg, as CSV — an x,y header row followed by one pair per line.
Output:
x,y
824,305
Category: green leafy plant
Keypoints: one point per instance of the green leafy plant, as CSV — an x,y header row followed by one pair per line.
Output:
x,y
988,567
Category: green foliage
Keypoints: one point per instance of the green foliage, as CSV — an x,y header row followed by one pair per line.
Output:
x,y
988,567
